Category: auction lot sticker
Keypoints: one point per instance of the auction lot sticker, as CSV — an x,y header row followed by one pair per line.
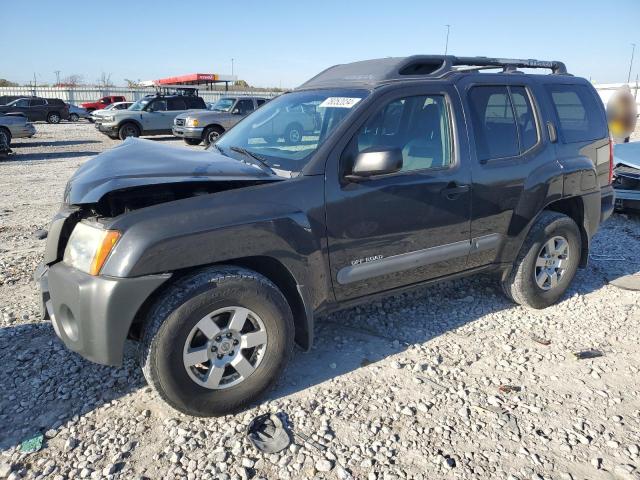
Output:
x,y
339,102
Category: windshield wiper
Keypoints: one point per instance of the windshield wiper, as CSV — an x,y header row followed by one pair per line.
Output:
x,y
255,156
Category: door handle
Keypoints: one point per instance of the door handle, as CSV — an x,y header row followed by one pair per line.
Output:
x,y
453,190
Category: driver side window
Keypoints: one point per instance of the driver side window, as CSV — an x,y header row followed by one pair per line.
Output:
x,y
159,106
419,126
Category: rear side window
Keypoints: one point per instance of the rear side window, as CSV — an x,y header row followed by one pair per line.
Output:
x,y
194,102
579,115
261,101
35,102
494,125
503,120
177,104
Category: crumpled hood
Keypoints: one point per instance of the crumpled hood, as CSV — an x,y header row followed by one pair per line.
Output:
x,y
138,162
627,154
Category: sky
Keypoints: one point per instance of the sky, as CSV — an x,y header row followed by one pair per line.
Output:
x,y
283,43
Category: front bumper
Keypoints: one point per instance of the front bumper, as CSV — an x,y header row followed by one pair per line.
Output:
x,y
92,315
627,199
27,130
106,128
187,132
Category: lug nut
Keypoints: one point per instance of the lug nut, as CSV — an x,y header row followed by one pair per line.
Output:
x,y
236,342
220,356
229,335
218,338
214,348
231,353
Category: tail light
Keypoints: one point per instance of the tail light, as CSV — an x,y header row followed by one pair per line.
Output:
x,y
610,161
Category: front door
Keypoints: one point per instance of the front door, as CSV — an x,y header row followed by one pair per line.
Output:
x,y
410,226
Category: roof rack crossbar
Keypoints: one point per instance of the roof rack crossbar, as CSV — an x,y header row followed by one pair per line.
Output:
x,y
557,68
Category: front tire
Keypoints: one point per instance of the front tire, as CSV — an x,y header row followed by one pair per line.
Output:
x,y
216,340
547,262
5,137
192,141
53,117
128,130
211,134
73,117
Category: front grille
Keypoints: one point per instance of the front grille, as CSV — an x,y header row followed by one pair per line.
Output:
x,y
180,122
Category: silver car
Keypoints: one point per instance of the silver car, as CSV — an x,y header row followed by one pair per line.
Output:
x,y
151,115
15,125
207,125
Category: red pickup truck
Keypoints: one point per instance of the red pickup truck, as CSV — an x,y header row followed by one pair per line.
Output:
x,y
102,102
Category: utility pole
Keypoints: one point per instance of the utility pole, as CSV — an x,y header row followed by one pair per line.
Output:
x,y
633,50
446,45
57,72
35,84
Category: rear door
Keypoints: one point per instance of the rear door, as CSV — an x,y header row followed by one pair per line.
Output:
x,y
22,106
410,226
509,149
38,109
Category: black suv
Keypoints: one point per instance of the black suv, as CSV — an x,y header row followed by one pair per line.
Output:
x,y
36,109
419,169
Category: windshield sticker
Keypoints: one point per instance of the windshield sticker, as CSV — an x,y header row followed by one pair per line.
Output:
x,y
339,102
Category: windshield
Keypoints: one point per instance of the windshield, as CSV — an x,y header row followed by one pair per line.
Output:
x,y
286,131
223,105
109,107
140,104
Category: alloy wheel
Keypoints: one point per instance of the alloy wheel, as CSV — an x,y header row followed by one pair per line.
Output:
x,y
551,262
225,347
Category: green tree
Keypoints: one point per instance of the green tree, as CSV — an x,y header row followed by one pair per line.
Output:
x,y
7,83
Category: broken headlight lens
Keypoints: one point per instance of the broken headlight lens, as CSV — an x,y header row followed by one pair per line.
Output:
x,y
89,247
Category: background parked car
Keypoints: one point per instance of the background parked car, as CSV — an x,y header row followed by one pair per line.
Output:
x,y
15,125
207,125
97,115
4,99
36,109
152,115
102,102
76,113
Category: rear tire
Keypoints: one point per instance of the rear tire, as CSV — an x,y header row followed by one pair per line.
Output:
x,y
53,117
128,130
173,332
211,134
547,262
5,137
192,141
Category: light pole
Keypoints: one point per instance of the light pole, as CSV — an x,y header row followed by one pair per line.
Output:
x,y
633,50
232,67
57,72
446,45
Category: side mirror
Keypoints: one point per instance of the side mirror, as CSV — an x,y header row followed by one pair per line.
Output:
x,y
376,161
236,111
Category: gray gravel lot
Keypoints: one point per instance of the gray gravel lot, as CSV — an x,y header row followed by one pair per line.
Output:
x,y
407,387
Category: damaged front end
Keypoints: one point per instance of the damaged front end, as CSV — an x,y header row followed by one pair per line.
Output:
x,y
139,174
626,176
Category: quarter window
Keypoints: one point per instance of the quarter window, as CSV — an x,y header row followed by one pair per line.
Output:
x,y
419,126
579,115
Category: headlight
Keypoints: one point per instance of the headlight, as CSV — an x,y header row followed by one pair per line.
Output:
x,y
193,122
89,247
109,118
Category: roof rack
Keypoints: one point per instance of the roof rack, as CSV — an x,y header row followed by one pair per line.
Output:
x,y
509,64
382,70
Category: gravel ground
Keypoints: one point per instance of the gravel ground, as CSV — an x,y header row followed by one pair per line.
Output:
x,y
409,387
